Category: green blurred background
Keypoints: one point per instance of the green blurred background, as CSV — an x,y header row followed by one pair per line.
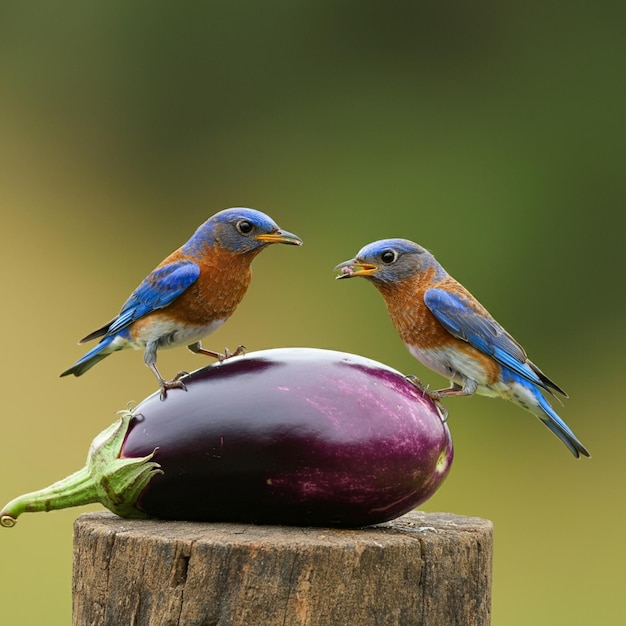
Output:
x,y
492,133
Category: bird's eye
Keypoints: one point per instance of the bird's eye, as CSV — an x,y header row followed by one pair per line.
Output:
x,y
388,256
244,227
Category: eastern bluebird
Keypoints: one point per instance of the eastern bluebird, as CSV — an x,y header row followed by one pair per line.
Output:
x,y
190,294
449,331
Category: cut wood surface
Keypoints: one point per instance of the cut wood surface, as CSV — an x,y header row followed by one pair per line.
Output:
x,y
430,569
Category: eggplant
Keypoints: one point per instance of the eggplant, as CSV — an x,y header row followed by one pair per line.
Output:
x,y
294,436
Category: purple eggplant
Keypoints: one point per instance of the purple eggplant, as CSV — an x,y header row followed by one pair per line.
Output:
x,y
296,436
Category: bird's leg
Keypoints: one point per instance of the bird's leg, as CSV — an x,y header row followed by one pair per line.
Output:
x,y
149,358
467,389
197,348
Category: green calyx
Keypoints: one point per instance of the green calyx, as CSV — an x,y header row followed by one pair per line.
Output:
x,y
106,478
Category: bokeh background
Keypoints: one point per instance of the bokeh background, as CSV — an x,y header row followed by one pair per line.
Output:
x,y
492,133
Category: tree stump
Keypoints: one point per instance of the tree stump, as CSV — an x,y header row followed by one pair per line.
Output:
x,y
418,570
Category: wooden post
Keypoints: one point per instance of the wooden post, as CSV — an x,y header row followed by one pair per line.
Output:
x,y
418,570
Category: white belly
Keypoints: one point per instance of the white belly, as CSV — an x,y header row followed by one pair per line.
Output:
x,y
167,333
455,366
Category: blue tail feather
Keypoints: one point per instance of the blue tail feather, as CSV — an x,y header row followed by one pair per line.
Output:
x,y
559,427
541,408
87,361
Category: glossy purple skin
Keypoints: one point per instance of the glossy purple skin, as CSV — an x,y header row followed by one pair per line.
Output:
x,y
296,436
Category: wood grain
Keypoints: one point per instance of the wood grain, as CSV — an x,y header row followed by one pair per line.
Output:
x,y
420,569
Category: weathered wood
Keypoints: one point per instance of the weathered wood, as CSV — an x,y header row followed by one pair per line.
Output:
x,y
420,569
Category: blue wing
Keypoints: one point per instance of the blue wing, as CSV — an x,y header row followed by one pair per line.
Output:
x,y
161,287
484,333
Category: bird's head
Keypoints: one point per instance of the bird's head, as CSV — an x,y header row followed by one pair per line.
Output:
x,y
387,261
241,230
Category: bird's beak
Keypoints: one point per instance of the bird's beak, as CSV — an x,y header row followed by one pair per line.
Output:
x,y
353,267
280,236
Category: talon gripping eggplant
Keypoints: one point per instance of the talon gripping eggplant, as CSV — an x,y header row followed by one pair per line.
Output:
x,y
295,436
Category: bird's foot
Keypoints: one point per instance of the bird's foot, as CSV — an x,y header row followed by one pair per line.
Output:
x,y
239,350
443,412
435,396
175,383
414,380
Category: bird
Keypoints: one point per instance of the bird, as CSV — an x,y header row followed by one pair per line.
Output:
x,y
447,329
190,294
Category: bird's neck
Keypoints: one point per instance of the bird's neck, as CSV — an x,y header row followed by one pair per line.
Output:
x,y
228,269
200,243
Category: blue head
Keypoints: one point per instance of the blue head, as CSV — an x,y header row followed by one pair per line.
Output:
x,y
239,230
389,261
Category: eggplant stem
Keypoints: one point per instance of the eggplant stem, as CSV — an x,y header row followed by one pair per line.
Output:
x,y
115,482
76,489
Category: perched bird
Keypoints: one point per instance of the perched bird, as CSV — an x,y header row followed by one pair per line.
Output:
x,y
448,330
190,294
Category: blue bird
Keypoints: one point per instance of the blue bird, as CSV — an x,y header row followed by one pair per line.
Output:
x,y
190,294
445,327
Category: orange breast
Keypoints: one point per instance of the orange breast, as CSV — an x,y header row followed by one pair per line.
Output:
x,y
222,284
223,281
410,315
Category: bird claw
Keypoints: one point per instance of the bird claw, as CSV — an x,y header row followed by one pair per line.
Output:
x,y
239,350
443,412
175,383
435,396
414,380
